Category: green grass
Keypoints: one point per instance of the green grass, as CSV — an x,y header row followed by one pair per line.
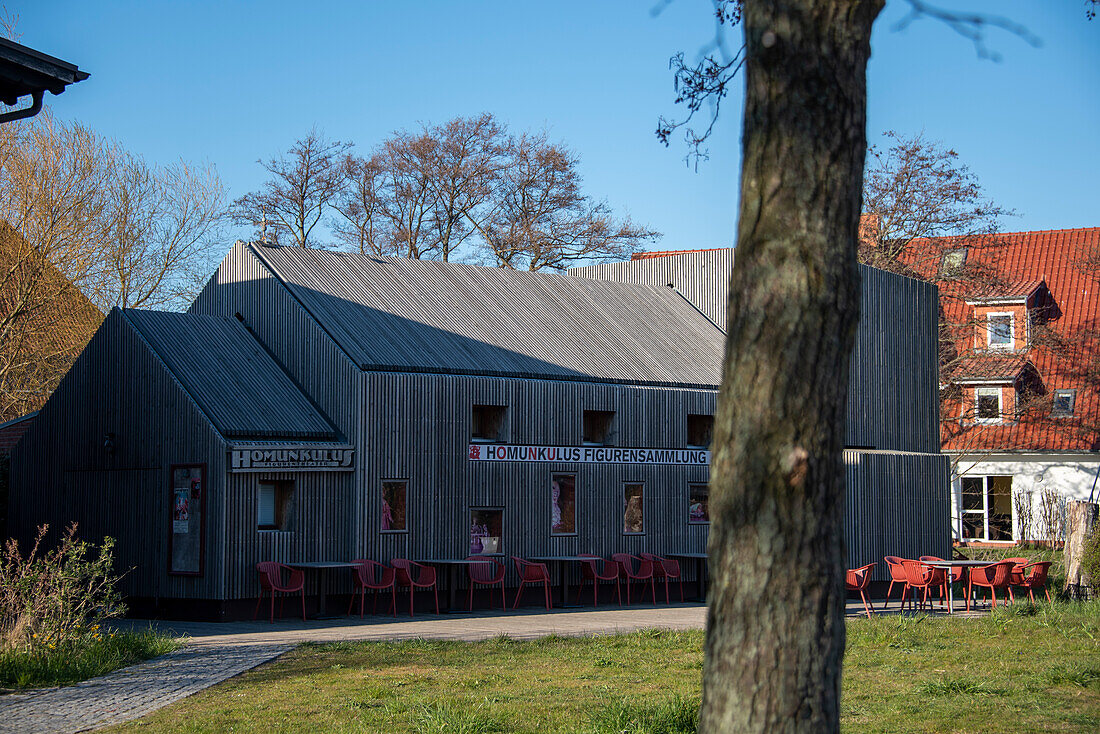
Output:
x,y
1028,668
92,657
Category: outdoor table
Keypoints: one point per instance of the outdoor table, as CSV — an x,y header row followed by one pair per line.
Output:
x,y
322,592
561,561
950,584
701,579
451,564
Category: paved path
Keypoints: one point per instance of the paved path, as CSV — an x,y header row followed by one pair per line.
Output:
x,y
217,651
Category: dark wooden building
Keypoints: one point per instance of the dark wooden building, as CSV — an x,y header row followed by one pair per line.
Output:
x,y
318,406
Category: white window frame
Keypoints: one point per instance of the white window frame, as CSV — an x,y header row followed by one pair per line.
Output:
x,y
1011,344
984,512
1072,393
1000,405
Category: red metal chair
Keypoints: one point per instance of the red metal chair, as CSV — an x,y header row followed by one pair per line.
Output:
x,y
993,577
271,580
857,579
589,572
897,576
1016,578
643,573
920,576
425,579
368,574
665,568
1034,576
488,573
941,574
532,573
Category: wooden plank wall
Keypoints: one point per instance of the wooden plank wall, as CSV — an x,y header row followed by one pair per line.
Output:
x,y
893,386
61,472
895,504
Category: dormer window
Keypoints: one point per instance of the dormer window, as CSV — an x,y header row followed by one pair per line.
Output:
x,y
999,331
988,401
953,262
1063,403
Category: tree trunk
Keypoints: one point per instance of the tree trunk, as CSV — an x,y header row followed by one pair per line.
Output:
x,y
775,635
1081,522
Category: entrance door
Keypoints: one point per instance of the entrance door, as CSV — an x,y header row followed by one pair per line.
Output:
x,y
987,508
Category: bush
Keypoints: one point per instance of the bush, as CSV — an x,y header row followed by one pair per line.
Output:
x,y
1090,559
57,599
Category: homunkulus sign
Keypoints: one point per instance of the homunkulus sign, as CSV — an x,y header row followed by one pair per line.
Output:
x,y
588,454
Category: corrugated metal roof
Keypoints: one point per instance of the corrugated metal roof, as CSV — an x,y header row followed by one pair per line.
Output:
x,y
417,315
234,380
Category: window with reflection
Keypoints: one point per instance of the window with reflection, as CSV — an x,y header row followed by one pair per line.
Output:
x,y
393,505
563,504
633,508
698,507
486,529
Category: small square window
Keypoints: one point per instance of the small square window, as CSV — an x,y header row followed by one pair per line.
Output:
x,y
597,426
953,261
698,507
700,430
1063,403
999,331
563,504
487,422
989,404
273,508
486,529
393,505
633,508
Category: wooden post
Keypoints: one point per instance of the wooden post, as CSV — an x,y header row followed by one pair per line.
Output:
x,y
1080,523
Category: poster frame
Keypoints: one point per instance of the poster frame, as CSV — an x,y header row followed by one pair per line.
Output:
x,y
202,518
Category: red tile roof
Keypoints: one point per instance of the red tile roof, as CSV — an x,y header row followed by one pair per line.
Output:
x,y
1019,290
1026,259
988,367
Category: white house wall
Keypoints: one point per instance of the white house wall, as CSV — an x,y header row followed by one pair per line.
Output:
x,y
1072,475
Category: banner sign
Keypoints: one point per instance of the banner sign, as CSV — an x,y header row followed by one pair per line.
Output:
x,y
587,454
291,458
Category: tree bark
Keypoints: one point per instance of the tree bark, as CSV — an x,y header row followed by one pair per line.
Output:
x,y
775,634
1081,521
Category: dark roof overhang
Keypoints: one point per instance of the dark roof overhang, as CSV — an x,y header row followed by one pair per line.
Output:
x,y
24,71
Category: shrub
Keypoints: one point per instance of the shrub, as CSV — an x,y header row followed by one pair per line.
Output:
x,y
58,598
1090,559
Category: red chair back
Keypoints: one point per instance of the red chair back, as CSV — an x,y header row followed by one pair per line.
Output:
x,y
626,563
897,570
491,571
857,579
1036,574
372,574
270,574
529,571
916,573
995,574
403,573
590,571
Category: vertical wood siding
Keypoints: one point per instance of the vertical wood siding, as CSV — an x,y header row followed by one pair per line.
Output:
x,y
893,384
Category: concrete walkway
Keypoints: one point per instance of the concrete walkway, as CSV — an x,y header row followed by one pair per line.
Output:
x,y
218,651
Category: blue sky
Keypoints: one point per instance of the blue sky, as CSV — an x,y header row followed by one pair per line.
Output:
x,y
229,82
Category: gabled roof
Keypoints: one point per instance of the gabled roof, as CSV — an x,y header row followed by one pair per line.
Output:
x,y
393,314
988,367
231,377
1013,292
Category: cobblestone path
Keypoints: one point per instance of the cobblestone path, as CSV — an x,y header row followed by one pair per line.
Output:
x,y
131,692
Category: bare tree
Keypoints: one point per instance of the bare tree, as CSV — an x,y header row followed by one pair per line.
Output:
x,y
469,190
85,226
304,183
543,220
